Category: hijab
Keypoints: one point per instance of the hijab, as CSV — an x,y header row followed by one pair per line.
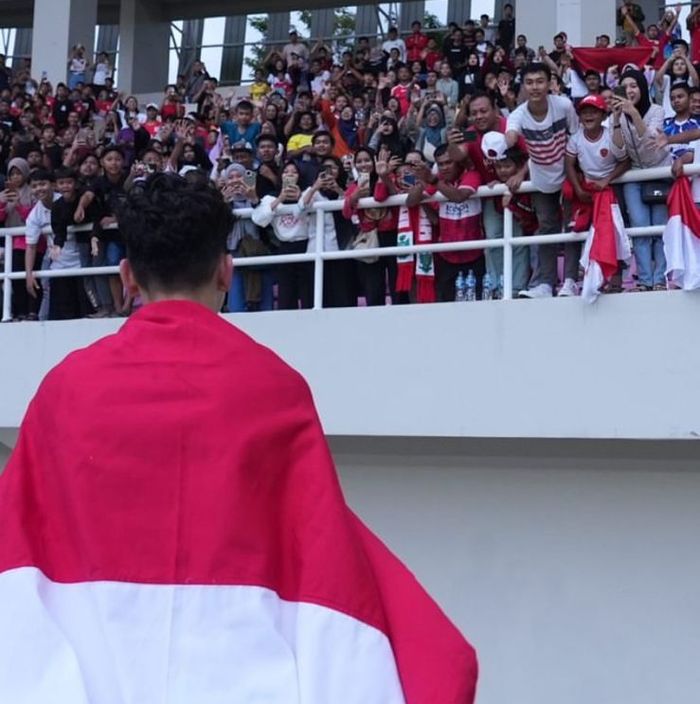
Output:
x,y
644,102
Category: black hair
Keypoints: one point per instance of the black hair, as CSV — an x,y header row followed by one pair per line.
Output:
x,y
40,175
175,230
245,104
536,67
442,149
112,148
682,86
483,94
323,133
64,173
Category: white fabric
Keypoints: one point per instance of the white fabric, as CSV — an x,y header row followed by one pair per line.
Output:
x,y
39,217
593,275
288,227
330,238
682,250
123,643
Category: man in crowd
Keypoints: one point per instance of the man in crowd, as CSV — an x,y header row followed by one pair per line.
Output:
x,y
544,121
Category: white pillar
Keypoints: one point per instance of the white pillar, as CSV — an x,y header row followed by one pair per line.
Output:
x,y
540,20
57,27
144,50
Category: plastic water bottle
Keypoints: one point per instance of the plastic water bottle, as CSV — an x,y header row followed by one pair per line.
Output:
x,y
487,292
470,287
460,288
498,293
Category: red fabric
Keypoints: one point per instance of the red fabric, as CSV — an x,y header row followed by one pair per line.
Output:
x,y
425,289
680,202
415,43
581,213
473,149
604,247
695,41
659,44
179,451
602,59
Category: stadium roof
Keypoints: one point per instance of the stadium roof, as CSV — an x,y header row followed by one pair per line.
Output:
x,y
19,13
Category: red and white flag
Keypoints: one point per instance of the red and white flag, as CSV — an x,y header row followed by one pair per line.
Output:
x,y
606,246
682,237
173,531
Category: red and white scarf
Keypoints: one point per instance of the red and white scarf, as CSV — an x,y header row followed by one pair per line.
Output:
x,y
415,227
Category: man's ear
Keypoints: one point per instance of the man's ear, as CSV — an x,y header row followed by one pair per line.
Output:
x,y
224,273
128,279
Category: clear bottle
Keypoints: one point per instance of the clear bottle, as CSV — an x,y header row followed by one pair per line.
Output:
x,y
499,291
487,292
470,287
460,288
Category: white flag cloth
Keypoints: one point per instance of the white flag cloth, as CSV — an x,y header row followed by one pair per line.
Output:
x,y
682,237
607,244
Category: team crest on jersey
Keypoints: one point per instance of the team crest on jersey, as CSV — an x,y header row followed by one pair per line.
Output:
x,y
604,153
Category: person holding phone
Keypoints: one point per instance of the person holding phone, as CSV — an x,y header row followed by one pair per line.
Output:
x,y
466,145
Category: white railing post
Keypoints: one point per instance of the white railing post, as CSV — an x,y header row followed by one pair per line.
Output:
x,y
318,260
7,282
507,254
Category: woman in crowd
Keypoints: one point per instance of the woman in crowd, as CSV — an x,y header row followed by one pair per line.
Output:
x,y
636,122
676,69
295,281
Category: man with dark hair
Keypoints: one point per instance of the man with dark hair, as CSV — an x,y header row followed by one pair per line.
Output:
x,y
544,121
172,488
459,219
506,28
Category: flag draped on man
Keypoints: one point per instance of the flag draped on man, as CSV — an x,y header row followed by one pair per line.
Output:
x,y
606,246
177,534
682,237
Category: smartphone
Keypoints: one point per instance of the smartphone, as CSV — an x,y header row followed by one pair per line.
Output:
x,y
363,180
289,180
409,179
470,136
620,92
250,178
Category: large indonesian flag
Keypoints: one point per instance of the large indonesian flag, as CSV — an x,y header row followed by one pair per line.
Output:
x,y
606,246
173,531
682,237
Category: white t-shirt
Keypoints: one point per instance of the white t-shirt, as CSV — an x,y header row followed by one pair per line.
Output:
x,y
39,217
399,44
597,159
546,140
666,96
102,73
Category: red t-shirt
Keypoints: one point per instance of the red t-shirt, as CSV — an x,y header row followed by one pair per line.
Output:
x,y
695,43
486,170
460,222
431,58
403,95
415,43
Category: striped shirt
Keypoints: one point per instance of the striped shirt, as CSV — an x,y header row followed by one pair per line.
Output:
x,y
546,140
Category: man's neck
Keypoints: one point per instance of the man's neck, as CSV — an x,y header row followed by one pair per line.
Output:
x,y
682,116
48,201
594,134
537,107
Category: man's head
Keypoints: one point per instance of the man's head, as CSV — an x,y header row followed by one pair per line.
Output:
x,y
652,32
592,110
415,26
242,153
267,148
521,41
66,182
323,143
393,33
112,161
536,79
592,79
602,41
41,183
680,99
175,233
34,156
448,169
483,114
244,113
507,11
559,41
695,100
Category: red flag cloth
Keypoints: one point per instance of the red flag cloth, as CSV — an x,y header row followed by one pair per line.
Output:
x,y
682,237
604,246
173,527
602,59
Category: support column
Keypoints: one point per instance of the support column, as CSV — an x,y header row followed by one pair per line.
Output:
x,y
459,11
366,21
322,24
58,26
232,57
144,50
191,47
410,12
278,29
108,39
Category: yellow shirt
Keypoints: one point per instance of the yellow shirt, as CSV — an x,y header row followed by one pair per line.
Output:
x,y
259,90
299,140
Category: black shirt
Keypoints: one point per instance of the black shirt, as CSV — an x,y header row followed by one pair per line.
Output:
x,y
108,196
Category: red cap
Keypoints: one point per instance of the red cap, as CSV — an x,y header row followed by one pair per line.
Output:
x,y
593,101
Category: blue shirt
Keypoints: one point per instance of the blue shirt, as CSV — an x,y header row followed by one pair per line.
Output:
x,y
232,131
671,128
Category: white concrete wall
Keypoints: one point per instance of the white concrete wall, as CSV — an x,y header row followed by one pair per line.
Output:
x,y
626,367
571,566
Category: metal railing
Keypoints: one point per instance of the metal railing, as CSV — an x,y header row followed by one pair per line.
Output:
x,y
319,256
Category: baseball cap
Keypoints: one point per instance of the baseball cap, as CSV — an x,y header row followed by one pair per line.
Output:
x,y
241,146
593,101
494,146
153,106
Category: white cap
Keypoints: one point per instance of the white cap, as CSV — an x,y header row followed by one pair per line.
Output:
x,y
494,146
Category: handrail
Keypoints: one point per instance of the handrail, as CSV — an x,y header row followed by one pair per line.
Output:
x,y
319,256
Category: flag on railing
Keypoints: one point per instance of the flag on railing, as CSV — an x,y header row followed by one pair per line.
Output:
x,y
173,529
606,246
682,237
414,227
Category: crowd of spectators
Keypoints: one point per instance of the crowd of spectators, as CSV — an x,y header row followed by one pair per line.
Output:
x,y
421,114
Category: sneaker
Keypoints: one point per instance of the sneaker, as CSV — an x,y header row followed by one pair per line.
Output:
x,y
101,312
539,291
569,288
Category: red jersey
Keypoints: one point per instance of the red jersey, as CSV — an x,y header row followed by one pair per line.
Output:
x,y
415,43
476,156
659,44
